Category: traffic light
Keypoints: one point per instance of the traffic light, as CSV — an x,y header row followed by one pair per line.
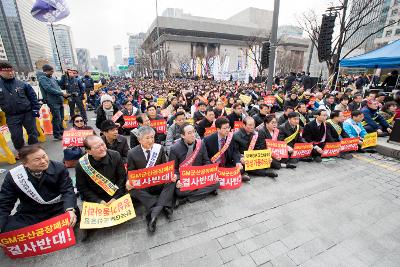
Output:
x,y
325,37
266,48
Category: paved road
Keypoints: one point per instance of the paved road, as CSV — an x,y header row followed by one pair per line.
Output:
x,y
317,215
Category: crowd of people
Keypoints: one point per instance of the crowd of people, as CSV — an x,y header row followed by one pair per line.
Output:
x,y
241,116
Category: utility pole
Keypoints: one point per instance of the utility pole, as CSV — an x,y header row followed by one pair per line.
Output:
x,y
158,44
273,41
310,57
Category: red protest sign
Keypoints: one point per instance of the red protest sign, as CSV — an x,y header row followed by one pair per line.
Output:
x,y
331,150
210,130
278,148
130,122
159,125
237,125
75,137
269,100
116,116
301,150
195,177
151,176
349,144
312,100
346,114
229,178
41,238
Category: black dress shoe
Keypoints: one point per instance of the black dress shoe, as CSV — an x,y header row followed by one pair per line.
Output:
x,y
272,174
215,192
318,159
151,226
346,156
290,166
245,177
168,212
179,201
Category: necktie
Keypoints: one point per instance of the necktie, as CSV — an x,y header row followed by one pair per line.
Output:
x,y
147,155
222,158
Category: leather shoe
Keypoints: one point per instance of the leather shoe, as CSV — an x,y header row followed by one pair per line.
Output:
x,y
272,174
245,178
346,156
318,159
215,192
151,226
291,166
168,212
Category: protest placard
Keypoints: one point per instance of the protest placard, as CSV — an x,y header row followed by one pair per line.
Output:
x,y
331,150
370,139
130,122
349,144
41,238
301,150
159,125
75,137
210,130
257,159
278,148
269,100
229,178
151,176
195,177
96,215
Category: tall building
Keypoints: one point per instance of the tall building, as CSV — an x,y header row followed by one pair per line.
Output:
x,y
36,33
94,62
375,20
391,33
103,62
3,55
135,43
65,45
118,55
13,36
83,59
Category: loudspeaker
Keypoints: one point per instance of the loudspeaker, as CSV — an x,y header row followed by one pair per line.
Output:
x,y
395,135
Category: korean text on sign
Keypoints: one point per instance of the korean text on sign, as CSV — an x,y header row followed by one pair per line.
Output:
x,y
195,177
96,215
210,130
370,139
152,176
130,122
331,150
279,148
229,178
257,159
349,144
159,125
75,137
41,238
301,150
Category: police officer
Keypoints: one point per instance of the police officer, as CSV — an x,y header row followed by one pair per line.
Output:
x,y
19,102
76,90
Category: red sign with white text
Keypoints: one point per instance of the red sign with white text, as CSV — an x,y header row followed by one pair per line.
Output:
x,y
278,148
41,238
210,130
237,125
159,125
349,144
229,178
347,114
195,177
301,150
75,137
331,150
130,122
152,176
269,100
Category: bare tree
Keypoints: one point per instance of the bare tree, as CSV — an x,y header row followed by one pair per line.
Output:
x,y
364,15
254,44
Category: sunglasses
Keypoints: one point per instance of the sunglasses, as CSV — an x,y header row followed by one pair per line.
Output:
x,y
78,121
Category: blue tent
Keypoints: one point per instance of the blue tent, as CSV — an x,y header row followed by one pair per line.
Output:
x,y
385,57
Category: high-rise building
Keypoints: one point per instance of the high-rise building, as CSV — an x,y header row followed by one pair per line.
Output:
x,y
135,43
36,33
3,55
103,62
118,55
83,59
65,46
94,62
391,33
11,30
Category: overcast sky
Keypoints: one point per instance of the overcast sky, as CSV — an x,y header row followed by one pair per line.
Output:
x,y
100,24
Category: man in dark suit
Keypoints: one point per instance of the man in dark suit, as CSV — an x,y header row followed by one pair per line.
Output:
x,y
217,141
156,198
113,140
335,131
315,132
206,122
290,133
236,114
264,111
184,149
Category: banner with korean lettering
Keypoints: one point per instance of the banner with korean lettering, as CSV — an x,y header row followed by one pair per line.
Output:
x,y
237,125
349,144
245,99
159,125
96,215
152,176
130,122
269,100
346,114
370,139
331,150
301,150
75,137
195,177
229,178
210,130
278,148
257,159
41,238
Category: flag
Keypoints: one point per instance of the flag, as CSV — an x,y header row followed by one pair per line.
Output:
x,y
50,10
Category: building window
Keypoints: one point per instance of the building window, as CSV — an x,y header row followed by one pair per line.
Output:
x,y
397,32
394,12
389,32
